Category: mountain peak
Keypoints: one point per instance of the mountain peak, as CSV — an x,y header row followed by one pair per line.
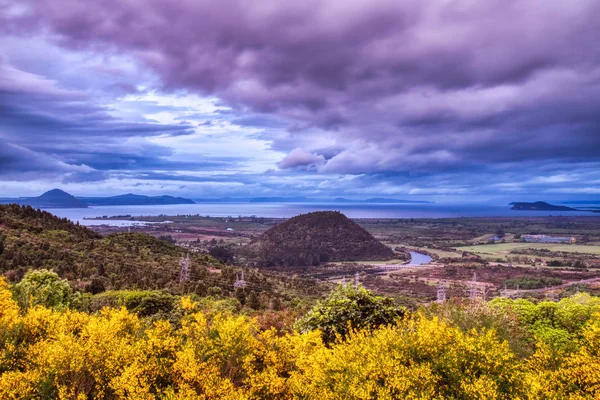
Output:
x,y
57,193
55,198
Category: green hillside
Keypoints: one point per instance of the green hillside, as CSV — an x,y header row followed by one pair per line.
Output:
x,y
37,239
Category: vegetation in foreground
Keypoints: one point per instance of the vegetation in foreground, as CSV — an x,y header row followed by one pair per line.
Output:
x,y
504,349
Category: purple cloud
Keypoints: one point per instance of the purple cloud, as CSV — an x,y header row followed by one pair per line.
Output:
x,y
354,87
384,73
300,158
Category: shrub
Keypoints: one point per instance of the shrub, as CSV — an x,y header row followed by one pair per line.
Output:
x,y
43,287
349,308
144,303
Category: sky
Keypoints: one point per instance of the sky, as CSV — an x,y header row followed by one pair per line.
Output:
x,y
461,100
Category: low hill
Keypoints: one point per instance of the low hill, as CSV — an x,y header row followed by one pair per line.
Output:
x,y
135,200
313,238
54,198
539,206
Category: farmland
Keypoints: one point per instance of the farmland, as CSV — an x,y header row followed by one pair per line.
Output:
x,y
506,248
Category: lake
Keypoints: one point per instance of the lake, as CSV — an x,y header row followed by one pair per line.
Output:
x,y
287,210
419,258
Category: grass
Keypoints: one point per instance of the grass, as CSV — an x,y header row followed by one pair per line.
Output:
x,y
506,248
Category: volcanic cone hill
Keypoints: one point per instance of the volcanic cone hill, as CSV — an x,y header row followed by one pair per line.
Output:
x,y
310,239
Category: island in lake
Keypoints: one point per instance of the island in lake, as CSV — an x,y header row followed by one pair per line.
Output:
x,y
539,206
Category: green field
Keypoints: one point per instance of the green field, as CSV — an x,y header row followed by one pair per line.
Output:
x,y
506,248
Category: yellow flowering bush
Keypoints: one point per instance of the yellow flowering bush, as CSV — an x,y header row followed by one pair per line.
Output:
x,y
114,354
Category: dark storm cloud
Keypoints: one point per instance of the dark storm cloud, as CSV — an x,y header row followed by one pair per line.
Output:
x,y
400,86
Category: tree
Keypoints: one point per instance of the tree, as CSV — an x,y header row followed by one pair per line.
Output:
x,y
1,244
252,300
276,304
95,286
240,295
221,253
348,308
43,287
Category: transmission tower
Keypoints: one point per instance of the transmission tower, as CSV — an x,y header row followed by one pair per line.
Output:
x,y
185,264
441,294
239,283
474,292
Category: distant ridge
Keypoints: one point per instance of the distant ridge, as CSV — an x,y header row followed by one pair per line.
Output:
x,y
135,200
302,199
57,198
382,200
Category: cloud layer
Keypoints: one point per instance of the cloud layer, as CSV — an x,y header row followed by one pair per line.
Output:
x,y
394,91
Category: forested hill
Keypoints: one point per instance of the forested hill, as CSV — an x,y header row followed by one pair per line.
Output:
x,y
37,239
316,237
34,239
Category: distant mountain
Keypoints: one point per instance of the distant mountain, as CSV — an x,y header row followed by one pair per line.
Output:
x,y
135,200
539,206
54,198
222,200
301,199
57,198
582,202
381,200
313,238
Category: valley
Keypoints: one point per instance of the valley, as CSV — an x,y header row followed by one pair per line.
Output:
x,y
485,253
